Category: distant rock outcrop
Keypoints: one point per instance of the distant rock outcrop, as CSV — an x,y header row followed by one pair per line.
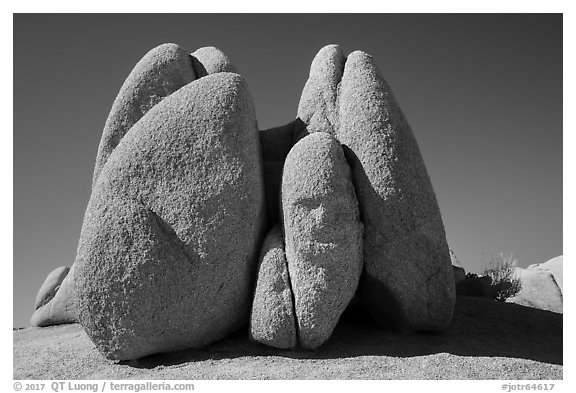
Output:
x,y
50,286
408,279
541,286
555,267
323,235
55,302
172,231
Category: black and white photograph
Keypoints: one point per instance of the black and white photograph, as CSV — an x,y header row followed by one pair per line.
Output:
x,y
287,196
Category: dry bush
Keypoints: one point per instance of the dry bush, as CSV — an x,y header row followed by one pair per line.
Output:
x,y
500,269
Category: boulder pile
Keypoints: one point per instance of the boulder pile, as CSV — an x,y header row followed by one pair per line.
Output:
x,y
199,223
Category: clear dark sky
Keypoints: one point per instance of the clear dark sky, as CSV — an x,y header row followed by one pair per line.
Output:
x,y
483,94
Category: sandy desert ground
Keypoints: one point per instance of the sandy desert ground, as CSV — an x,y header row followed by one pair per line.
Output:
x,y
487,340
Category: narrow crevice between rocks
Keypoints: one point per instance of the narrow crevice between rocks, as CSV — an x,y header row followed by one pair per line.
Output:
x,y
336,127
48,298
293,298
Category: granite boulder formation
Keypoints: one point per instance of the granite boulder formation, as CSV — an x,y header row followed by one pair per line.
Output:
x,y
171,235
408,279
185,187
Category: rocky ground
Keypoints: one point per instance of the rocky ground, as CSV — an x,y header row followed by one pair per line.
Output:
x,y
487,340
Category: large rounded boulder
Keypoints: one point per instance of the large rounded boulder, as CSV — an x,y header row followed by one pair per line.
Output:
x,y
323,235
408,279
172,232
272,321
161,72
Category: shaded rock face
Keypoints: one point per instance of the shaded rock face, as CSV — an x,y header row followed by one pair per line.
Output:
x,y
55,302
541,286
408,279
459,274
171,235
323,235
272,321
276,143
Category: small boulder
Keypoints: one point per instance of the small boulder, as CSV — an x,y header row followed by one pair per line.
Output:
x,y
50,286
56,300
272,320
172,232
210,60
323,235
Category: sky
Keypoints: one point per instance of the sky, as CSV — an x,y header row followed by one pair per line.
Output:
x,y
482,93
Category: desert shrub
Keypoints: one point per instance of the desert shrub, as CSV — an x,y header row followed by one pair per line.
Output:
x,y
500,269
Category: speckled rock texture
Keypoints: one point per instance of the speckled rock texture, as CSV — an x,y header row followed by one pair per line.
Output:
x,y
542,286
272,321
276,143
161,72
56,299
209,60
408,280
318,107
172,232
323,235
